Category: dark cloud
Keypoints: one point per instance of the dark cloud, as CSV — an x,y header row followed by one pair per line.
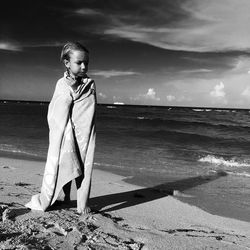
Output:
x,y
46,21
32,22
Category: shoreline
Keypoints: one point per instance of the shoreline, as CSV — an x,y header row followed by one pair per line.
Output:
x,y
136,217
176,188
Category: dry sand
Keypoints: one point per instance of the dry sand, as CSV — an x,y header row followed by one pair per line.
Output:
x,y
125,217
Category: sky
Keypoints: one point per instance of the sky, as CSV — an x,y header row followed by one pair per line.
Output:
x,y
150,52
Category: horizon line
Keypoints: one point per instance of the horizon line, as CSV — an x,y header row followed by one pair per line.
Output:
x,y
138,105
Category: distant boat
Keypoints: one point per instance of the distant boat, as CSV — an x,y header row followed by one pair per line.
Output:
x,y
118,103
198,110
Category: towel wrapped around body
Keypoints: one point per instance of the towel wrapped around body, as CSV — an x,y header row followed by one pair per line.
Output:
x,y
71,119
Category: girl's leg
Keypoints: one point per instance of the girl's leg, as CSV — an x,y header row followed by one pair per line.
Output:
x,y
83,191
66,190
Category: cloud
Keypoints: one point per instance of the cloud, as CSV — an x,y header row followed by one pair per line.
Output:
x,y
9,46
196,71
201,26
170,98
189,25
112,73
184,99
246,92
87,12
20,46
149,96
218,91
241,65
117,100
44,44
103,96
218,94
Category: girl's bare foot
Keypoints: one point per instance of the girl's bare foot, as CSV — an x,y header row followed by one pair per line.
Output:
x,y
84,211
82,200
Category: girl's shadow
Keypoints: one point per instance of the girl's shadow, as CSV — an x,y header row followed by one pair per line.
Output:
x,y
131,198
135,197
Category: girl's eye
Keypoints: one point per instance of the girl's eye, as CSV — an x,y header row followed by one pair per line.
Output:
x,y
85,63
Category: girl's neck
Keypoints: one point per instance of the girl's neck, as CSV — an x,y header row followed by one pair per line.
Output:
x,y
73,77
74,81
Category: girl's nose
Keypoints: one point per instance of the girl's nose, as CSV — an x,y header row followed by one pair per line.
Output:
x,y
83,66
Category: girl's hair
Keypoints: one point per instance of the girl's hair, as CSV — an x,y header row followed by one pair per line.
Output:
x,y
68,47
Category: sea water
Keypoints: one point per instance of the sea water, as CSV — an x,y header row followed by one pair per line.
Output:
x,y
202,154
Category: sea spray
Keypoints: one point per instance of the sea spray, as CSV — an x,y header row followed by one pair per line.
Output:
x,y
221,161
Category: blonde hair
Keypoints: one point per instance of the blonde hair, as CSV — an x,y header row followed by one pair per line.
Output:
x,y
68,47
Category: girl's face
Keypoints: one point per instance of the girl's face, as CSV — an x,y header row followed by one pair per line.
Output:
x,y
77,63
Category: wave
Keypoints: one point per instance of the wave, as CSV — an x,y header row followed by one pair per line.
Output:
x,y
13,149
202,110
175,122
221,161
222,110
243,174
157,126
215,110
108,165
111,107
183,119
224,173
193,137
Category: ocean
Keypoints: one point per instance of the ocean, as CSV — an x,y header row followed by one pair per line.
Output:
x,y
201,153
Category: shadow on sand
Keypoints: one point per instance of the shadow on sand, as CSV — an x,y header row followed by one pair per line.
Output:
x,y
138,196
130,198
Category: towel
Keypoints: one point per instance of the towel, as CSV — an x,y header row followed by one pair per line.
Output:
x,y
71,120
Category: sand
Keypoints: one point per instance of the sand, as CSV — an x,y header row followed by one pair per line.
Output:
x,y
124,216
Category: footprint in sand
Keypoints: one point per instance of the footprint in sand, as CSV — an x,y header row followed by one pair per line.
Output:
x,y
7,167
22,184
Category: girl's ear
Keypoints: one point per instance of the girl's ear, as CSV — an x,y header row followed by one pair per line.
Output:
x,y
66,63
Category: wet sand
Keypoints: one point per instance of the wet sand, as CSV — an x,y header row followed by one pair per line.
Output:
x,y
124,216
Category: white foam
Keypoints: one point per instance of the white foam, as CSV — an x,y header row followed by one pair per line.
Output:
x,y
243,174
201,110
108,165
12,149
111,107
222,110
221,161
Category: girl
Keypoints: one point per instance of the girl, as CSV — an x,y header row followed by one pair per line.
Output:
x,y
71,119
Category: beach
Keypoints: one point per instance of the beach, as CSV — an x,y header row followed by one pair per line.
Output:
x,y
153,96
124,216
203,153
